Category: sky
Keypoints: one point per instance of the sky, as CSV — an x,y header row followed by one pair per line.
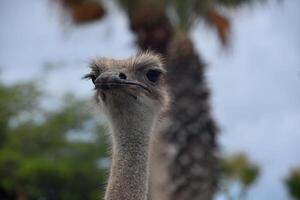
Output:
x,y
255,83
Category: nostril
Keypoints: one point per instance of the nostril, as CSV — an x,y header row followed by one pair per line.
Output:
x,y
122,76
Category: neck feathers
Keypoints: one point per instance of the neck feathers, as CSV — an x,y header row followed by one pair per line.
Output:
x,y
129,172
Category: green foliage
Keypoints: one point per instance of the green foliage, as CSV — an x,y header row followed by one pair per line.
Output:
x,y
238,169
41,153
14,100
292,183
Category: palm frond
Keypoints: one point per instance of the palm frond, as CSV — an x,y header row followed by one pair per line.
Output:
x,y
221,23
82,11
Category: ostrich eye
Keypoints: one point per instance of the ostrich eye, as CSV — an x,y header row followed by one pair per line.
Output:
x,y
153,75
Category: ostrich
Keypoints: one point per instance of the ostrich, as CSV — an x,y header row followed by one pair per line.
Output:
x,y
132,94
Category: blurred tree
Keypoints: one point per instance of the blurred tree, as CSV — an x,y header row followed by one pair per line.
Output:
x,y
163,26
292,183
43,154
237,169
15,100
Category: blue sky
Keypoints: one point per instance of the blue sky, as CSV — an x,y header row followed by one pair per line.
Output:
x,y
256,96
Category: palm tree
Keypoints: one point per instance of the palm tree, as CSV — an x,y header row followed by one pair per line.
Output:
x,y
188,146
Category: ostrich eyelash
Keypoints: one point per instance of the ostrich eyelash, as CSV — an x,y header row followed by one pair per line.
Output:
x,y
88,76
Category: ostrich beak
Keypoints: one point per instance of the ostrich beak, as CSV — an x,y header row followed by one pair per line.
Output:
x,y
113,80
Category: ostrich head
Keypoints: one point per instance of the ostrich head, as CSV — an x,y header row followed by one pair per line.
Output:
x,y
130,88
132,93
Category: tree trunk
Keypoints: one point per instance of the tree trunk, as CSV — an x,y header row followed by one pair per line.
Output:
x,y
191,135
184,158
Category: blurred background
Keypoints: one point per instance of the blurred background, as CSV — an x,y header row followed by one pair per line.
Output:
x,y
53,146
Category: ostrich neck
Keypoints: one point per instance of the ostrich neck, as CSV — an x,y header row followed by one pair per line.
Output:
x,y
128,178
